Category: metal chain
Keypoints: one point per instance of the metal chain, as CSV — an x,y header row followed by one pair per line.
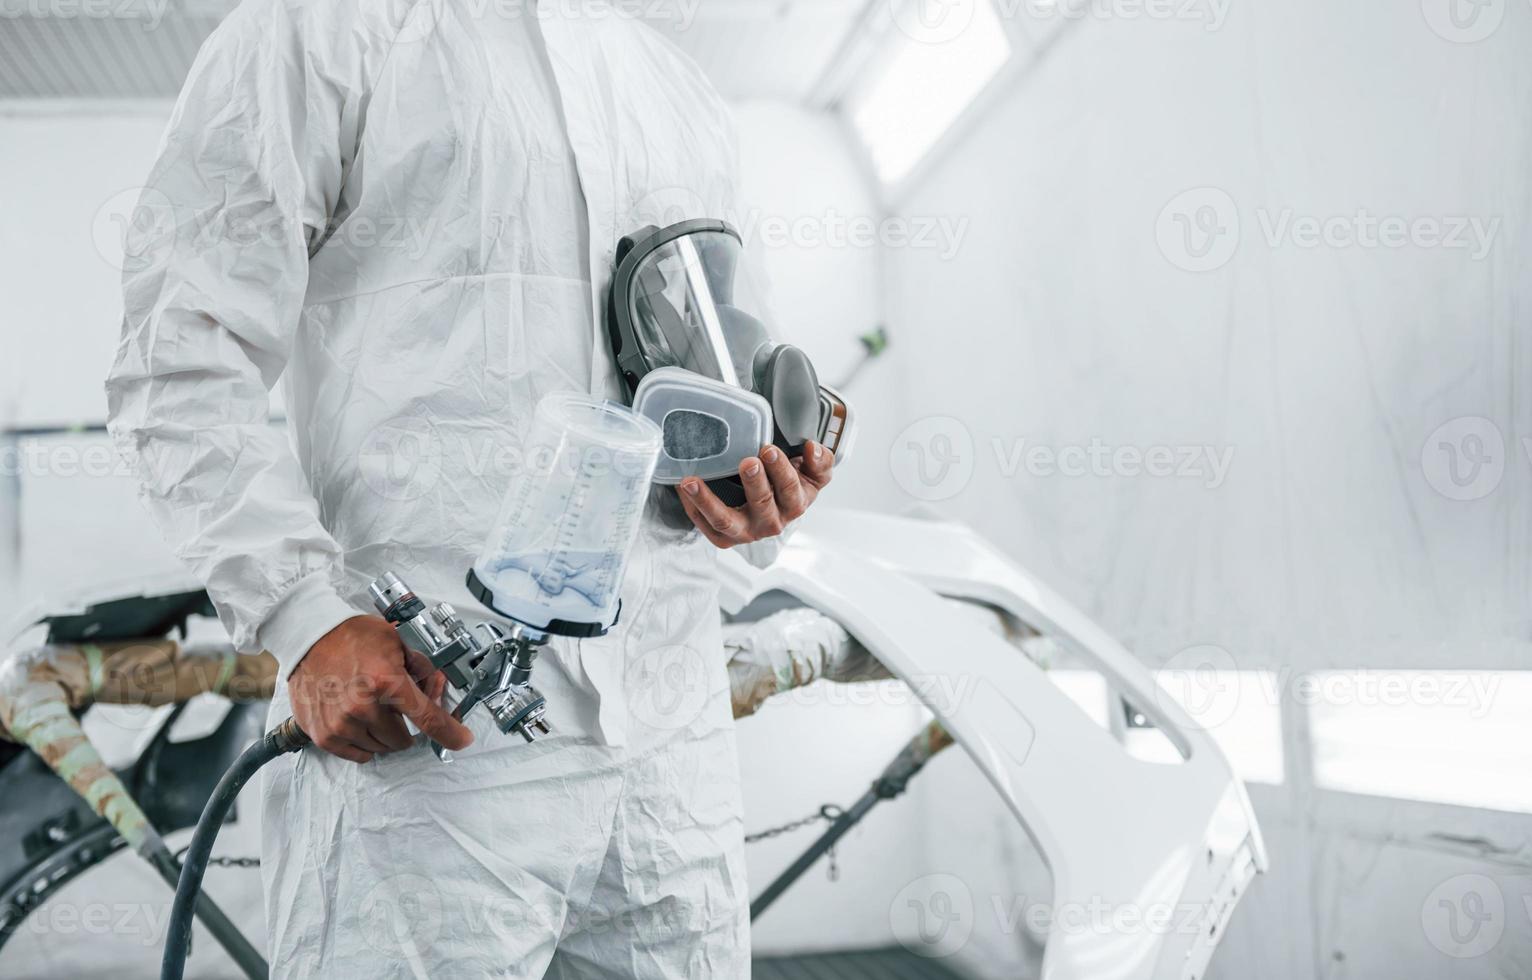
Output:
x,y
228,862
222,862
829,812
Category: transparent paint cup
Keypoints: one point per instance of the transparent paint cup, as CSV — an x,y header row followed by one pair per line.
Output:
x,y
556,556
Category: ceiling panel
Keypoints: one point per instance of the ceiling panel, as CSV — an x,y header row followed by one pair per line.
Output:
x,y
53,57
142,48
756,48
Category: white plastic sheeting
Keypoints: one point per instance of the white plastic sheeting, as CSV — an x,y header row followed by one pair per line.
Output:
x,y
1234,353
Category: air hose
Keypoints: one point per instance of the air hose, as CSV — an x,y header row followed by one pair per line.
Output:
x,y
286,737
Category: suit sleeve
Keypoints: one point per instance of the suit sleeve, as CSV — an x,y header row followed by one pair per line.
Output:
x,y
249,174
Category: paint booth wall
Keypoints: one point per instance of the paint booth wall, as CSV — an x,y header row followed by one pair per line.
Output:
x,y
1172,243
60,257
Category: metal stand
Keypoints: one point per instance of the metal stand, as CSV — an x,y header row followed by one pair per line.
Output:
x,y
891,783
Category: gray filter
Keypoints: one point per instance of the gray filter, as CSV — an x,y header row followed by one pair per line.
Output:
x,y
693,435
708,427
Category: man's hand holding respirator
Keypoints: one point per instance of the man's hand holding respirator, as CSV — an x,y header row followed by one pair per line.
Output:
x,y
777,492
696,357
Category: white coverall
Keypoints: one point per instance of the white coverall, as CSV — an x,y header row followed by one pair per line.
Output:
x,y
410,208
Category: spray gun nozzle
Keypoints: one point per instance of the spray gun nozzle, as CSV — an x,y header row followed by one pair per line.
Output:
x,y
487,665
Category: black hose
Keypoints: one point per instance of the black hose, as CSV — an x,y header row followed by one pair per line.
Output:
x,y
286,737
244,955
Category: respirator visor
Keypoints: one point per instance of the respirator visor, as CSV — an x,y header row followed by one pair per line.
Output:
x,y
691,309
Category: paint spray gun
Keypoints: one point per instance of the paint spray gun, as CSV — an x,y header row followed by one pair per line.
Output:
x,y
489,666
552,566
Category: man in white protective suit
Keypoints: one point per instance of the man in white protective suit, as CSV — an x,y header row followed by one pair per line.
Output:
x,y
407,211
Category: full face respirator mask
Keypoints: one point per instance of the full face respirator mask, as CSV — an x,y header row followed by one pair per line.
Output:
x,y
697,358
